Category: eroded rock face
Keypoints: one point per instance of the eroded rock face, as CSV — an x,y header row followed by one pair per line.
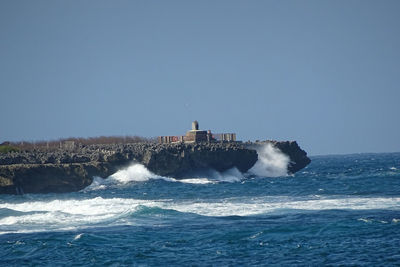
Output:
x,y
176,159
69,171
49,178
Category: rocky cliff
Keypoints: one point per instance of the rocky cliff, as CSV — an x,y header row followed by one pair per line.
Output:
x,y
72,170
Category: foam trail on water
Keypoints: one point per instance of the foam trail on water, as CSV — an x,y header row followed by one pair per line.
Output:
x,y
196,181
271,162
282,205
212,176
37,216
70,214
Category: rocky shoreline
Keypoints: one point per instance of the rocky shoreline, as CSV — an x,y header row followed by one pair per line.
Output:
x,y
70,170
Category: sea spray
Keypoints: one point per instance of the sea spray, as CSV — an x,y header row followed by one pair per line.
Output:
x,y
134,173
139,173
231,175
271,162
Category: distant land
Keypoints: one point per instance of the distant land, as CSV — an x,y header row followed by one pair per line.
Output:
x,y
69,165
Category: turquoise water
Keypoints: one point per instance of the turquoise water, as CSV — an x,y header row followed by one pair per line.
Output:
x,y
340,210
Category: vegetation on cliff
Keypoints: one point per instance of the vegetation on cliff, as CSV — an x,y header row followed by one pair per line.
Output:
x,y
77,141
5,148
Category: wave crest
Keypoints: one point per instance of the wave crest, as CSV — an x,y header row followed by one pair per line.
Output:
x,y
71,214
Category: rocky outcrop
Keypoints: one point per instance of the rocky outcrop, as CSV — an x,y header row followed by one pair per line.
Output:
x,y
51,178
177,159
72,170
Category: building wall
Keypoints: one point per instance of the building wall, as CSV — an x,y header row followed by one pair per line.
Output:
x,y
225,136
197,136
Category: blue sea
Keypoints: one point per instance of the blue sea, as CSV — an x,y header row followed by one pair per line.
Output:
x,y
339,210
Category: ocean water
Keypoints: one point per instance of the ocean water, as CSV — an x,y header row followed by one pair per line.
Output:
x,y
340,210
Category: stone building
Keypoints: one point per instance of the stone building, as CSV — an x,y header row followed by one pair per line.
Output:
x,y
196,135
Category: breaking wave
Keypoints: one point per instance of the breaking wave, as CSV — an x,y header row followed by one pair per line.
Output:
x,y
139,173
134,173
73,214
338,210
271,162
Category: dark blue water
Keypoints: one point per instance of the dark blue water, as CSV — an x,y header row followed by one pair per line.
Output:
x,y
340,210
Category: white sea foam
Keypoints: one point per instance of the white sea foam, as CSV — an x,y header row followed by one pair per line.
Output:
x,y
78,236
373,220
263,206
139,173
231,175
76,214
271,162
196,181
69,214
134,173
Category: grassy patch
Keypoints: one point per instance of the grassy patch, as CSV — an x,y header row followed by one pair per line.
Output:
x,y
7,148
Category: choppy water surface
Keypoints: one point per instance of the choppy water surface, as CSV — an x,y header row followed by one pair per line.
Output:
x,y
340,210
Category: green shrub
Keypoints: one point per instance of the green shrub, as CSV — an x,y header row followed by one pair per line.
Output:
x,y
7,148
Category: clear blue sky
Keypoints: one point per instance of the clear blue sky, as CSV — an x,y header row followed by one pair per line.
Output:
x,y
324,73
